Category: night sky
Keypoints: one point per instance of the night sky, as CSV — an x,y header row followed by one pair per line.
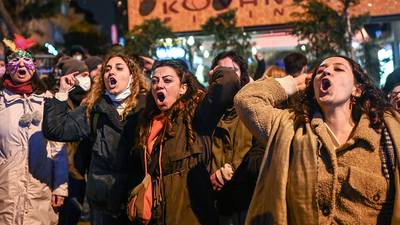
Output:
x,y
103,13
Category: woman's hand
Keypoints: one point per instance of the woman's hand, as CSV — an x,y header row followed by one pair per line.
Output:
x,y
217,186
57,200
68,81
303,80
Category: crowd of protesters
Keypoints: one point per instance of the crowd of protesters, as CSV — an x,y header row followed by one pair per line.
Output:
x,y
285,145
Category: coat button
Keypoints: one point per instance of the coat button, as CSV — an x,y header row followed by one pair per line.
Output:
x,y
325,211
376,197
330,170
341,178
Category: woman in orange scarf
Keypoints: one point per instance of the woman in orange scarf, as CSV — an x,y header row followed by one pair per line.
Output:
x,y
176,129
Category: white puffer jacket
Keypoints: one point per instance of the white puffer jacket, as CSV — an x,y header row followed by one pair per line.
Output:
x,y
31,168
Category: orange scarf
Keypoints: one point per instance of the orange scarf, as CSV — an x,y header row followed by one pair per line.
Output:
x,y
154,132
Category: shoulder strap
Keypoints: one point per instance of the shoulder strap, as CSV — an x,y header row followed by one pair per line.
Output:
x,y
153,163
95,119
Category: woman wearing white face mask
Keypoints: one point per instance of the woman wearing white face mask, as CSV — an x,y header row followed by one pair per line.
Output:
x,y
108,117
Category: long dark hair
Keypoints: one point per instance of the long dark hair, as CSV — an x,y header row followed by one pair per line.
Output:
x,y
189,100
371,102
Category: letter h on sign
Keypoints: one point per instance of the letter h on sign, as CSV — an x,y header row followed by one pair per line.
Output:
x,y
242,2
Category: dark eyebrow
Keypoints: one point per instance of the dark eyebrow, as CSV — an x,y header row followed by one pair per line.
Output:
x,y
168,75
335,64
118,64
339,64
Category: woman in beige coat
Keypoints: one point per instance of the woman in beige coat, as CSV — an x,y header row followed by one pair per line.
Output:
x,y
331,156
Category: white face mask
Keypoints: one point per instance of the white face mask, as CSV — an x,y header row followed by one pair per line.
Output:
x,y
84,82
78,57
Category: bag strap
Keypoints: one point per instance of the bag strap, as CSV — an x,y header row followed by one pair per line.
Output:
x,y
95,119
153,164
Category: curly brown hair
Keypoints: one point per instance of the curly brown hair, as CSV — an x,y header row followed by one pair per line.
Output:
x,y
186,113
371,102
139,85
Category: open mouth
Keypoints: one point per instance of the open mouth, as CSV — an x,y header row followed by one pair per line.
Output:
x,y
325,84
21,72
398,104
160,97
113,81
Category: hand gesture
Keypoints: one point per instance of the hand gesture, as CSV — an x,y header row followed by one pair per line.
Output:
x,y
68,81
258,57
148,63
303,80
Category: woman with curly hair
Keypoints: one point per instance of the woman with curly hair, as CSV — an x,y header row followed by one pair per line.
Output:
x,y
108,117
176,129
331,156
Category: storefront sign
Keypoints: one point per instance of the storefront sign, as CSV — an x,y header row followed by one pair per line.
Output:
x,y
188,15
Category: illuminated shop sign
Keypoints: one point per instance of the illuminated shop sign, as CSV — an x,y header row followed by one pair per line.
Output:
x,y
170,53
188,15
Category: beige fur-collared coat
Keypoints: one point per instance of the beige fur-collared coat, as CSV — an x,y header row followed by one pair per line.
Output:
x,y
303,178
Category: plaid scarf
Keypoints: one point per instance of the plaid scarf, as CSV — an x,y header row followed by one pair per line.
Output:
x,y
388,167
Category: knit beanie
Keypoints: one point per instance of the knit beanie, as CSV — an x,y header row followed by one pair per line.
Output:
x,y
69,65
77,48
92,62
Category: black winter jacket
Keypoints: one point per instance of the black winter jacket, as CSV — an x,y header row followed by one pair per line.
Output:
x,y
106,189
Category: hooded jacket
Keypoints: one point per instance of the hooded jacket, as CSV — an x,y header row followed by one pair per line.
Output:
x,y
107,184
31,168
303,179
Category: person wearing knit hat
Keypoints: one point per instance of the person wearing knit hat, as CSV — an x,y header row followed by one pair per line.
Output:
x,y
94,64
70,65
77,52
